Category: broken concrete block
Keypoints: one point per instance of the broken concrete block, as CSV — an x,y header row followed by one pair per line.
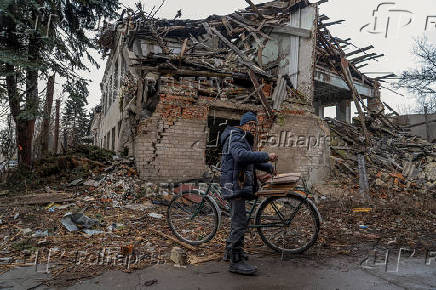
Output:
x,y
68,223
178,256
409,170
155,215
81,219
92,232
380,182
39,234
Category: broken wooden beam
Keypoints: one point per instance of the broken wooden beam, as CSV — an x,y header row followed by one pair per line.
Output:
x,y
262,97
361,58
194,73
332,23
359,50
233,47
373,56
386,76
361,66
323,17
255,9
183,244
356,97
294,31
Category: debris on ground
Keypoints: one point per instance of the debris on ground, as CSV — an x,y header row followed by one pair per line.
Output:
x,y
395,159
72,221
123,214
178,256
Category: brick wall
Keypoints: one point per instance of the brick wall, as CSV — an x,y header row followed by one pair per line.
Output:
x,y
170,146
302,141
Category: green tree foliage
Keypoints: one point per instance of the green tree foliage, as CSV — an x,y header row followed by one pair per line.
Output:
x,y
38,38
7,140
75,120
421,81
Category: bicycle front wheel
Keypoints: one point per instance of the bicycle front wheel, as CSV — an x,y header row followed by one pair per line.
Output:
x,y
288,224
193,218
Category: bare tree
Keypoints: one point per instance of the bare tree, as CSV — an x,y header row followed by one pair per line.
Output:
x,y
421,81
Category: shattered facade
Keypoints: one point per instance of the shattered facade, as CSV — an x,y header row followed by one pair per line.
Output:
x,y
171,86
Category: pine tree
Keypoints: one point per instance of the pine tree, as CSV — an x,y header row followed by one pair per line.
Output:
x,y
39,38
75,118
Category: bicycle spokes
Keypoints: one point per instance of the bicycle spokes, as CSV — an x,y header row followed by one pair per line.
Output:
x,y
287,223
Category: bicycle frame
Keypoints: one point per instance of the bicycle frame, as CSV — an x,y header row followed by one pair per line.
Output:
x,y
284,221
301,191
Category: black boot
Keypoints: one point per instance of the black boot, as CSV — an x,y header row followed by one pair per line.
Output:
x,y
239,266
227,255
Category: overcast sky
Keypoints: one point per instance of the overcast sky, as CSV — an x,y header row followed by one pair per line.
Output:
x,y
407,21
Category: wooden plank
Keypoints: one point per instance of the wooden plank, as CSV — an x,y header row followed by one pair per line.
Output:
x,y
233,47
36,199
279,93
359,50
293,31
183,244
356,97
193,260
194,73
294,49
255,9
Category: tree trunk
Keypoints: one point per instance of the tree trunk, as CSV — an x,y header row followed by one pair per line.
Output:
x,y
25,129
57,120
14,97
27,123
45,130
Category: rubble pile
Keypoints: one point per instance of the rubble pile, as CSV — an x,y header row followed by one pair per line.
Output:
x,y
60,169
97,221
394,158
229,47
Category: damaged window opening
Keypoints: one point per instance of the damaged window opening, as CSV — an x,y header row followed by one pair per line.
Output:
x,y
216,127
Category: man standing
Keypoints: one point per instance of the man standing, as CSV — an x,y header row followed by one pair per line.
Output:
x,y
238,182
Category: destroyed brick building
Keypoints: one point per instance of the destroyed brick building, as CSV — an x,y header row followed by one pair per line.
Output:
x,y
171,86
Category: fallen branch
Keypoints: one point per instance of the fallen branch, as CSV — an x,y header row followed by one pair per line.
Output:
x,y
196,260
185,245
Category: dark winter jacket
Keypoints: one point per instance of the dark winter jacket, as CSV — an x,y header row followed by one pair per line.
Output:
x,y
238,178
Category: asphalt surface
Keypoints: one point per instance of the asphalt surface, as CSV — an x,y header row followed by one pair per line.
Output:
x,y
297,273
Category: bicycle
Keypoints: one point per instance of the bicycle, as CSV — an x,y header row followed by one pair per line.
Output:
x,y
286,219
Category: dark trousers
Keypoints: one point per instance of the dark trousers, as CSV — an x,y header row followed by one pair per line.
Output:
x,y
239,224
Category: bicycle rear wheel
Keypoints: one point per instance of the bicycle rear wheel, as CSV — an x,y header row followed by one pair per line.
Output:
x,y
288,224
193,218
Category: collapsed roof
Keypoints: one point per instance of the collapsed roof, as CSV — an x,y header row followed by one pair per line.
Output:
x,y
235,45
